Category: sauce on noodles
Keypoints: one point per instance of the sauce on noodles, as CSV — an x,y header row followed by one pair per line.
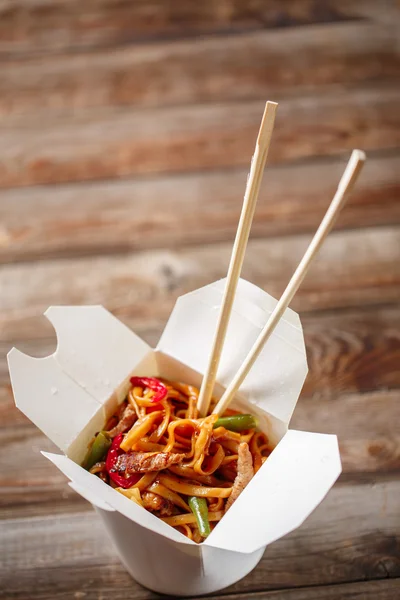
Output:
x,y
186,470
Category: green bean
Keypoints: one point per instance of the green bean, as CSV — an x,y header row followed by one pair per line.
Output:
x,y
199,508
98,450
237,422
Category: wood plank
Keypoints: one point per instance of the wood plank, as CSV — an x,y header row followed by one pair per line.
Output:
x,y
340,542
48,490
367,443
385,11
352,351
212,69
354,268
109,144
366,425
384,589
38,26
99,217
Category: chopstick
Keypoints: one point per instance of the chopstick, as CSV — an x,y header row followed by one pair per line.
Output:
x,y
346,183
238,252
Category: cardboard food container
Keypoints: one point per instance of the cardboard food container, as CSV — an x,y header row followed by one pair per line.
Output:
x,y
70,395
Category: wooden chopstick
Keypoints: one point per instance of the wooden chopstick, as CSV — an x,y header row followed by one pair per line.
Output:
x,y
238,252
346,183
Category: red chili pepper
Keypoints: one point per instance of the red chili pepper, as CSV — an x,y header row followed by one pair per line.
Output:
x,y
153,384
112,457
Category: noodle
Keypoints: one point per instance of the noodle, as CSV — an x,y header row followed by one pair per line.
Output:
x,y
197,536
188,473
229,459
174,464
190,489
190,518
217,505
257,450
185,529
146,446
99,467
162,428
139,429
132,494
168,494
134,404
145,481
214,462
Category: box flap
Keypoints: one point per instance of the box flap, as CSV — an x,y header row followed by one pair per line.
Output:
x,y
50,399
94,348
64,394
276,379
288,487
90,497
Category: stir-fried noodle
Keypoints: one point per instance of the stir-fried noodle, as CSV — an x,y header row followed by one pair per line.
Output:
x,y
186,470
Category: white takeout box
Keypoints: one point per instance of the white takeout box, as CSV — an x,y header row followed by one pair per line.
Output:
x,y
70,394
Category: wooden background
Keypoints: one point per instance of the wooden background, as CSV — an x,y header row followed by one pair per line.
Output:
x,y
125,138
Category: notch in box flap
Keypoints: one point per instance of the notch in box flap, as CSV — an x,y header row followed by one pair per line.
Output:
x,y
288,487
276,379
50,399
95,348
99,493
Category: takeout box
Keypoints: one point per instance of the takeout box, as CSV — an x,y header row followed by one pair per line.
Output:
x,y
70,395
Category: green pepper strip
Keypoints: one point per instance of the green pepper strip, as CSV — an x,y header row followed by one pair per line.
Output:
x,y
237,422
98,450
199,508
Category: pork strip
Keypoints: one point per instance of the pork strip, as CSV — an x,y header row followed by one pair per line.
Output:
x,y
245,473
157,504
143,462
127,420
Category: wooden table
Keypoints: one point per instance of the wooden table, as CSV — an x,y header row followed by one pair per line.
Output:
x,y
126,134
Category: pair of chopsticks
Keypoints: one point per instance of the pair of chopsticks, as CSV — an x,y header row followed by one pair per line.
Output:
x,y
346,183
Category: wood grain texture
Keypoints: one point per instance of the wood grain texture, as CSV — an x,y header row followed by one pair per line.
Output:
x,y
99,217
354,350
37,26
99,145
386,589
368,444
371,590
248,66
59,555
354,268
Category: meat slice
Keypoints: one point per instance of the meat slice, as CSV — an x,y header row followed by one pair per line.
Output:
x,y
143,462
127,420
245,473
157,504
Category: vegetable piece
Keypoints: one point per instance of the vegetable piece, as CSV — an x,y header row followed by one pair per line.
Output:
x,y
112,457
177,520
237,422
152,384
97,451
199,508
